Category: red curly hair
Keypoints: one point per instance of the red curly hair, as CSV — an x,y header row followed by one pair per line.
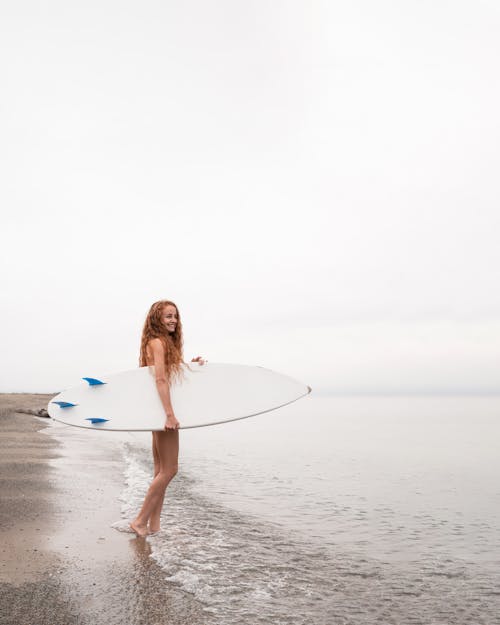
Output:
x,y
154,328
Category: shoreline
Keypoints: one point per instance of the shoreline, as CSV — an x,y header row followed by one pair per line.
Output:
x,y
62,562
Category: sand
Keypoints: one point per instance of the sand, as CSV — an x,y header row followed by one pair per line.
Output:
x,y
61,562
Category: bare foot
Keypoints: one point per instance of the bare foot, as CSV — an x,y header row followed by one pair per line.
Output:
x,y
140,530
154,529
123,526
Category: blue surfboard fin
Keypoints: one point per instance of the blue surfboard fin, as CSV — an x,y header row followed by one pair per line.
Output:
x,y
93,381
96,420
64,404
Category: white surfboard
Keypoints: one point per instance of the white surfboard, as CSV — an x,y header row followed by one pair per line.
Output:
x,y
207,395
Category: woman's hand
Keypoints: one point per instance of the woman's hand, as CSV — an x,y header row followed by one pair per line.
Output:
x,y
199,360
171,423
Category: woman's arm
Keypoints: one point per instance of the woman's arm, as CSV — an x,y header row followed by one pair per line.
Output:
x,y
162,385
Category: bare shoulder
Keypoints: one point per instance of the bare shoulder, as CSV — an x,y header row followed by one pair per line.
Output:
x,y
156,345
156,342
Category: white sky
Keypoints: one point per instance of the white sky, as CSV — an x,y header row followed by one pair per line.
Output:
x,y
316,184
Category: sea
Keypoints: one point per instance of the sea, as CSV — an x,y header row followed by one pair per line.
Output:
x,y
335,510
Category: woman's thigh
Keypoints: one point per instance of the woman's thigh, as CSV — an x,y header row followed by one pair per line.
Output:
x,y
156,456
166,445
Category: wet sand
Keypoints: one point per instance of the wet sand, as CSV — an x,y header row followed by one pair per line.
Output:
x,y
61,562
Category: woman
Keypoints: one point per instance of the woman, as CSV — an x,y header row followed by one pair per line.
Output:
x,y
161,346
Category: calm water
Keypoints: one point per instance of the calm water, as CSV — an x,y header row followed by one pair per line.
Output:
x,y
336,510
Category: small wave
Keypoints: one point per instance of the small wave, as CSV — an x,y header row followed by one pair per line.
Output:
x,y
229,561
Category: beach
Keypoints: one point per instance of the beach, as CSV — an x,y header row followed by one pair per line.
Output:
x,y
61,562
382,511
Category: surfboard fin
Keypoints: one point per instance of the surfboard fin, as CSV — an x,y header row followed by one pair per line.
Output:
x,y
96,420
93,381
64,404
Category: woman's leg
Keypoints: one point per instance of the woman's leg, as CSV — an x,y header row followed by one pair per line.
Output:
x,y
154,519
156,456
167,449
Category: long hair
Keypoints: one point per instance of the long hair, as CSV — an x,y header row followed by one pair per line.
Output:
x,y
154,328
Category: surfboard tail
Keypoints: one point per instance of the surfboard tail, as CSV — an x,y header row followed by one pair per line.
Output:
x,y
93,381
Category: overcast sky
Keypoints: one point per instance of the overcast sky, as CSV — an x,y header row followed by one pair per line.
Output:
x,y
316,184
